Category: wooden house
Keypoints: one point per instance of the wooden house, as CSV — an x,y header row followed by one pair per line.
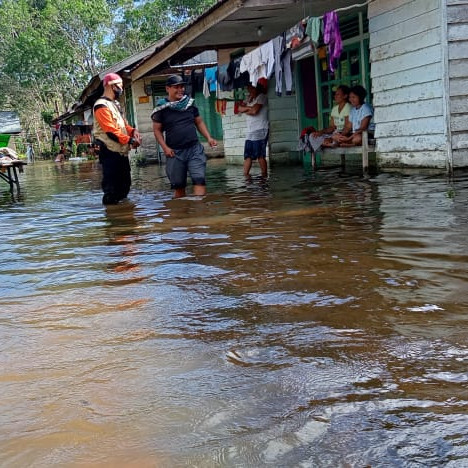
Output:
x,y
9,125
411,55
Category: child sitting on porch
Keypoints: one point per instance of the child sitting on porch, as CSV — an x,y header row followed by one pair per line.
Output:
x,y
360,119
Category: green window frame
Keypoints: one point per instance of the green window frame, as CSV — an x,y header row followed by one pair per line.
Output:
x,y
129,111
353,68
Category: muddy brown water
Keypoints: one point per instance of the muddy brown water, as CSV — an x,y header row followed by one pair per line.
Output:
x,y
307,320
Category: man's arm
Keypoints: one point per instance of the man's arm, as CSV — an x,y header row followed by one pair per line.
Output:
x,y
104,116
204,131
250,110
158,134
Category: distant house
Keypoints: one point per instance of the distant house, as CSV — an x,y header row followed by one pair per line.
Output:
x,y
411,55
9,125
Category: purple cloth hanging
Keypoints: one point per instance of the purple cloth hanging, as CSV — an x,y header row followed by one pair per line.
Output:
x,y
332,38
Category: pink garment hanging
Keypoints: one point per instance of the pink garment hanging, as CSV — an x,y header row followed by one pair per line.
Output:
x,y
332,38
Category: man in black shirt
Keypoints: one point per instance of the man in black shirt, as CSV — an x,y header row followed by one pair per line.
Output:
x,y
179,119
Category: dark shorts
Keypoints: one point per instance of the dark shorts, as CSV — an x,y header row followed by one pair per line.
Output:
x,y
255,149
191,160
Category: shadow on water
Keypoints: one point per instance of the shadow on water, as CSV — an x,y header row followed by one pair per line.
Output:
x,y
309,319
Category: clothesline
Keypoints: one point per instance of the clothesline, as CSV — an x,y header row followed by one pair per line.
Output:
x,y
356,5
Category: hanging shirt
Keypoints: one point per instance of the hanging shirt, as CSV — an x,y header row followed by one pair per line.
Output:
x,y
332,37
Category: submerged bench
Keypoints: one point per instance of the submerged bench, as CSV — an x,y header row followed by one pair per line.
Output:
x,y
367,147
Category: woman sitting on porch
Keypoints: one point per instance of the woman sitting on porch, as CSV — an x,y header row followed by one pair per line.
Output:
x,y
360,119
312,140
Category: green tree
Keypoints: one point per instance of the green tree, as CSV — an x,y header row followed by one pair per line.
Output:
x,y
49,49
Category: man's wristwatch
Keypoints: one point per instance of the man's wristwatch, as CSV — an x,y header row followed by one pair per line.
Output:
x,y
132,141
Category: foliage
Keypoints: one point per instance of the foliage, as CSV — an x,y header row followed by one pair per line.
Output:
x,y
47,116
50,49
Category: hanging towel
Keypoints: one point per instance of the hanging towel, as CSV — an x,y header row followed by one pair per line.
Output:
x,y
332,38
313,30
210,76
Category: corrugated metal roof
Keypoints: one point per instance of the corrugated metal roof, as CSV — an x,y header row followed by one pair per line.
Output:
x,y
9,122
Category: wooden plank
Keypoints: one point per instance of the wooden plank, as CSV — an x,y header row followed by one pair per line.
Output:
x,y
405,94
381,7
459,105
412,127
412,26
459,123
403,45
427,159
403,13
416,59
429,73
460,158
289,137
282,114
457,32
459,87
460,140
413,143
457,14
458,50
412,110
458,68
457,2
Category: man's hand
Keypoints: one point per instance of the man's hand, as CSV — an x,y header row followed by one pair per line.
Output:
x,y
170,153
137,137
212,142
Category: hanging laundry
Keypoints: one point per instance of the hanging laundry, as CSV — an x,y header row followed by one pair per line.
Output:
x,y
287,71
313,30
283,70
240,80
224,79
259,63
206,88
210,76
332,38
295,35
197,78
279,46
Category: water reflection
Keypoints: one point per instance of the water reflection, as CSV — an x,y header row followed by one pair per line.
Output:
x,y
314,319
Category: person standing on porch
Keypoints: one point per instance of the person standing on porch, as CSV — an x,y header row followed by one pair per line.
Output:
x,y
256,111
179,119
114,136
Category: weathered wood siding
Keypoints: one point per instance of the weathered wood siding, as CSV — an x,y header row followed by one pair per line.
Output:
x,y
457,36
407,71
284,126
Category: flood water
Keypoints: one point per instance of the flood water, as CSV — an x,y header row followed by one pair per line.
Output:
x,y
310,320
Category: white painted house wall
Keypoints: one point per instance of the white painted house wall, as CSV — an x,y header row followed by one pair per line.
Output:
x,y
143,120
407,71
457,37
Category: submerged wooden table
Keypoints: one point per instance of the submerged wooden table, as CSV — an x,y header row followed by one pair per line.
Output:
x,y
9,172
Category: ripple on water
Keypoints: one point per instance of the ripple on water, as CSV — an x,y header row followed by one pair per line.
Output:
x,y
314,319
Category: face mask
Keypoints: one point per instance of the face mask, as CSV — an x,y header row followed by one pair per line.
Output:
x,y
117,92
